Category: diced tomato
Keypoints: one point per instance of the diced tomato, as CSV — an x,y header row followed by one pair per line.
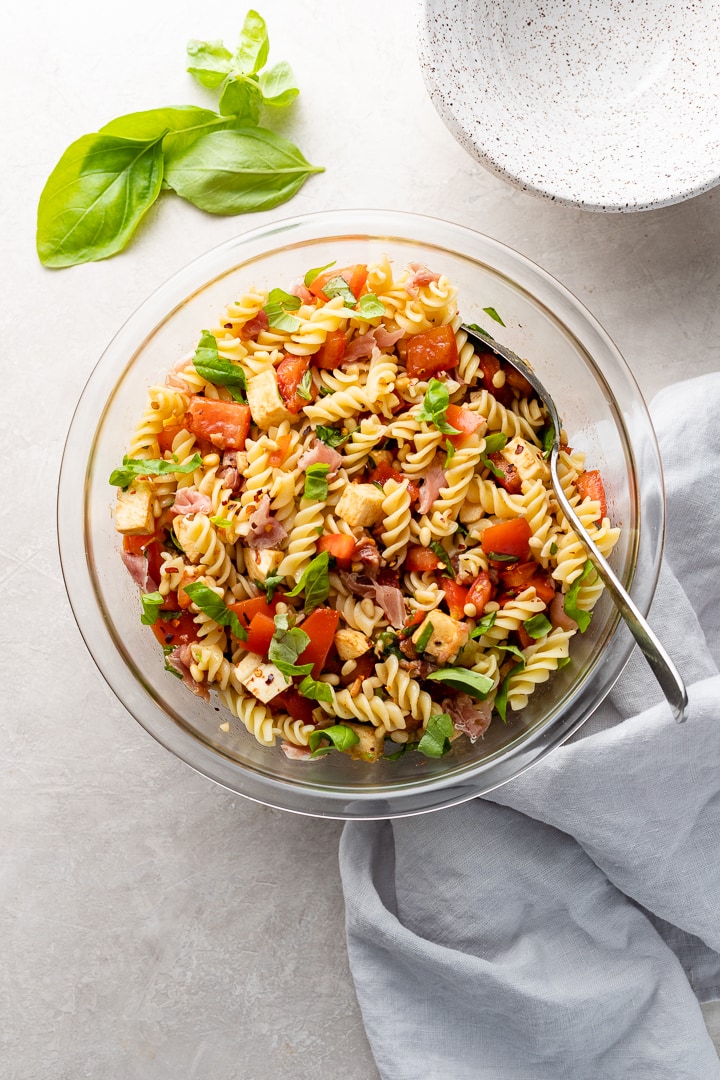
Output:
x,y
411,622
224,423
260,634
278,456
340,546
364,668
508,538
509,478
517,575
465,420
184,601
481,591
321,627
329,355
136,545
524,639
166,436
518,381
246,610
294,704
590,486
149,546
431,351
180,631
290,373
489,366
170,603
456,596
384,471
421,559
544,585
356,276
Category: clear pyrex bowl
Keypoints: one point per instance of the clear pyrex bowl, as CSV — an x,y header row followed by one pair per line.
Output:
x,y
603,413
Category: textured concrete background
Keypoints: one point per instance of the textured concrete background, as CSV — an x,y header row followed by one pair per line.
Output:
x,y
154,926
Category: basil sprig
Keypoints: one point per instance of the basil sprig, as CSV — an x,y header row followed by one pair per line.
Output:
x,y
315,582
434,407
435,742
339,736
133,467
316,485
470,682
582,618
216,369
331,436
215,608
279,304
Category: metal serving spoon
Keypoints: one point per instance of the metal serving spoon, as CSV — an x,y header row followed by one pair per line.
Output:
x,y
662,666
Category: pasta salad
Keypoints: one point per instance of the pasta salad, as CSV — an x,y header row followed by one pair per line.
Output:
x,y
339,513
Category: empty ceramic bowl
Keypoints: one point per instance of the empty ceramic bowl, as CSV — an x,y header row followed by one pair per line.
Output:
x,y
611,106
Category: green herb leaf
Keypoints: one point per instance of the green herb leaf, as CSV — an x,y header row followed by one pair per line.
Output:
x,y
331,436
435,405
270,584
582,618
470,682
515,652
286,645
495,441
315,272
133,467
316,485
241,99
484,625
500,556
315,689
538,626
182,124
548,440
217,370
238,171
443,556
500,704
493,315
95,198
369,306
325,391
563,661
435,742
339,736
492,467
478,329
151,604
254,46
338,286
553,548
449,453
277,85
422,642
210,62
315,582
304,386
279,303
215,608
388,643
220,522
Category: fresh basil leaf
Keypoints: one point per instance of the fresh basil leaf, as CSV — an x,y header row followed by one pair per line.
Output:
x,y
326,391
252,51
495,441
402,748
449,453
387,643
538,626
564,661
500,556
182,123
270,584
548,440
443,556
478,330
277,85
215,608
216,369
304,386
315,582
95,198
279,303
238,171
316,485
492,467
435,742
484,625
493,315
315,689
553,548
241,98
173,540
210,62
370,307
288,642
151,604
331,436
582,618
220,522
339,736
338,286
315,272
133,467
434,407
500,703
470,682
515,652
422,642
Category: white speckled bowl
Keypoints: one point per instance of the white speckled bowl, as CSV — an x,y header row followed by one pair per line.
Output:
x,y
610,105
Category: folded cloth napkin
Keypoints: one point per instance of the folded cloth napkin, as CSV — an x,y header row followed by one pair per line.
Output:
x,y
565,926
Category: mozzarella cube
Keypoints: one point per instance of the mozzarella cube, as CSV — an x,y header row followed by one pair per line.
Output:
x,y
261,677
447,638
187,536
351,643
361,505
266,404
133,512
261,562
371,742
527,459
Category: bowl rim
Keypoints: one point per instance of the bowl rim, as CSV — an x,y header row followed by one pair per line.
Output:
x,y
73,548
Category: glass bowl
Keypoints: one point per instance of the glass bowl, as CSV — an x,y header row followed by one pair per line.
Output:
x,y
603,413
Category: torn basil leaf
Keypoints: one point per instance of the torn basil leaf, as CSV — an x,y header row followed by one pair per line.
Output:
x,y
434,407
215,608
495,441
314,689
443,556
370,307
331,436
493,315
423,641
338,286
279,304
538,626
484,625
435,742
582,618
316,485
304,386
151,604
270,584
339,736
470,682
286,646
500,704
315,582
132,468
315,272
217,370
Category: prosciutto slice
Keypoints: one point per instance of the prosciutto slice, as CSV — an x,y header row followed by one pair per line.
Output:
x,y
137,567
387,597
255,326
362,347
295,753
321,453
434,480
265,530
557,614
181,659
421,276
189,501
468,715
301,290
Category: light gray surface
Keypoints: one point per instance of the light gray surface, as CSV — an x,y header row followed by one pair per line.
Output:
x,y
155,926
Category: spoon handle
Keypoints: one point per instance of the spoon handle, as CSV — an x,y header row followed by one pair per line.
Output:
x,y
652,649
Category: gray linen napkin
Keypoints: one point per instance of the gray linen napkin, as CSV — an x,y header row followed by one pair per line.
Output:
x,y
565,926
